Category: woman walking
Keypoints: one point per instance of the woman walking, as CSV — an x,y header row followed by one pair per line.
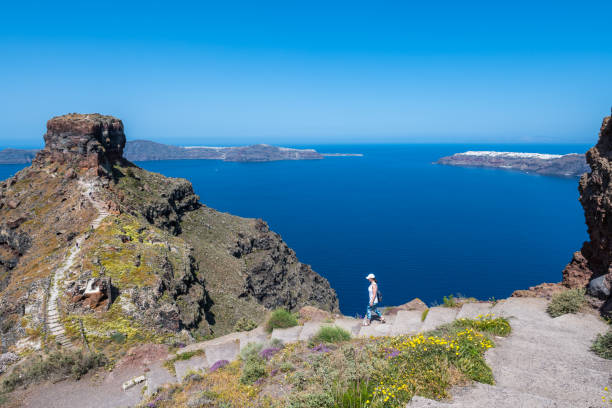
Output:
x,y
373,301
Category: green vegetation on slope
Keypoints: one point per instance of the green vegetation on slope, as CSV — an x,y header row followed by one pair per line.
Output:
x,y
359,373
55,366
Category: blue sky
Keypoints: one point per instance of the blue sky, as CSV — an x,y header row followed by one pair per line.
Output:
x,y
315,72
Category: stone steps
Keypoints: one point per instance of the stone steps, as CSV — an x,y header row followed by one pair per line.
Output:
x,y
53,322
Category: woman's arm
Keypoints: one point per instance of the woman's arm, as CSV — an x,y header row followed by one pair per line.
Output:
x,y
374,292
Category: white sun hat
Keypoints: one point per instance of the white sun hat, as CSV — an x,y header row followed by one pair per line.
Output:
x,y
371,276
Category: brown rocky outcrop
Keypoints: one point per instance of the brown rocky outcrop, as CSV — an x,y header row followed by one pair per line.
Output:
x,y
414,304
89,141
591,266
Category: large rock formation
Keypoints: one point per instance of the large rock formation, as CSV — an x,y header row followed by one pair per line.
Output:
x,y
90,141
591,266
131,254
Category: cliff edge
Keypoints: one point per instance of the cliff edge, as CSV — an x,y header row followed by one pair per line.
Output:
x,y
591,266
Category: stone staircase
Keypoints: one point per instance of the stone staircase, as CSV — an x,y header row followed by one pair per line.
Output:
x,y
54,325
544,363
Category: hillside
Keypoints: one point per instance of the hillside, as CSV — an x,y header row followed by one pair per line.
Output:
x,y
130,253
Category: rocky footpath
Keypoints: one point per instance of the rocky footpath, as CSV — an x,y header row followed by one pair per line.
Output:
x,y
591,266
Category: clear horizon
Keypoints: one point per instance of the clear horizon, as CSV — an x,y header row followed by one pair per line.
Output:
x,y
310,74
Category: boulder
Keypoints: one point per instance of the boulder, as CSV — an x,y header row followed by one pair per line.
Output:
x,y
311,313
13,203
414,304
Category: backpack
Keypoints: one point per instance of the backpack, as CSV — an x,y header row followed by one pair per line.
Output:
x,y
379,295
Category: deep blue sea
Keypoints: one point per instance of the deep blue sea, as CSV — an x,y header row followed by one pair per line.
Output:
x,y
425,230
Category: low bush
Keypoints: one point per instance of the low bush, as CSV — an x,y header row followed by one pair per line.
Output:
x,y
311,400
355,395
55,366
281,319
602,345
569,301
250,350
329,334
450,301
245,324
424,314
253,369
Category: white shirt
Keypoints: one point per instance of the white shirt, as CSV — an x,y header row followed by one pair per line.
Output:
x,y
371,294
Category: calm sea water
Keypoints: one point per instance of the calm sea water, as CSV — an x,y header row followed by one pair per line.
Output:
x,y
425,230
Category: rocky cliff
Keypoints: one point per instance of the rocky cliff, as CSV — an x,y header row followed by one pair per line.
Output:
x,y
591,266
113,254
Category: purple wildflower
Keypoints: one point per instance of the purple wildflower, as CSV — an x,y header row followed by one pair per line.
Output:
x,y
259,381
321,348
392,352
219,364
268,353
273,372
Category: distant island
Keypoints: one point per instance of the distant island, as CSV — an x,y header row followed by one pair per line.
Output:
x,y
566,165
17,156
145,150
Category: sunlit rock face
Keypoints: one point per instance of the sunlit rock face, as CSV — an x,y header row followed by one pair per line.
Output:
x,y
591,266
90,141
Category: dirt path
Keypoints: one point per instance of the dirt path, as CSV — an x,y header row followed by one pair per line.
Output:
x,y
54,326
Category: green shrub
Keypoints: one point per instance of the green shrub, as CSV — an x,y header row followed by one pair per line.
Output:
x,y
424,314
450,301
602,345
281,319
250,350
355,395
327,334
55,366
569,301
314,400
118,337
253,369
244,324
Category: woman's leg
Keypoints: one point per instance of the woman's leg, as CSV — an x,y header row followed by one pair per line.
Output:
x,y
369,313
378,312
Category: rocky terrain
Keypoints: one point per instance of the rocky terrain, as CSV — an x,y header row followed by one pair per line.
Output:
x,y
93,248
568,165
591,266
144,150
